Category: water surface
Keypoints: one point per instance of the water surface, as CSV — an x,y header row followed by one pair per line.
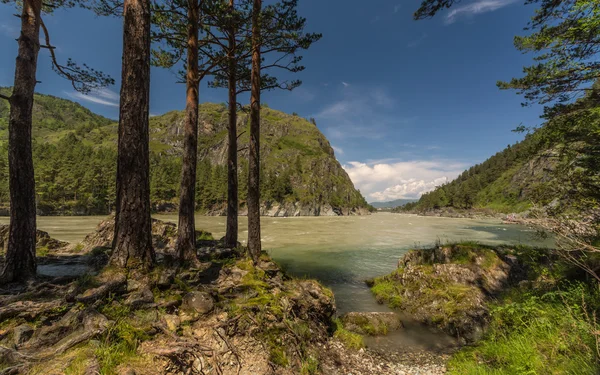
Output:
x,y
341,252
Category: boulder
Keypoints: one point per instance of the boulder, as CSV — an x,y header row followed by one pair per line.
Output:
x,y
43,239
310,300
447,286
197,302
371,323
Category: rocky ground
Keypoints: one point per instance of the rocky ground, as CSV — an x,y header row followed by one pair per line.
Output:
x,y
451,286
224,316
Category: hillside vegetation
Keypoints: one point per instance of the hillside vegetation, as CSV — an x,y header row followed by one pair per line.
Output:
x,y
555,167
75,162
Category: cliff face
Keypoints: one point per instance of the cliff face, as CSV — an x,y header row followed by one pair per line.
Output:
x,y
75,156
300,177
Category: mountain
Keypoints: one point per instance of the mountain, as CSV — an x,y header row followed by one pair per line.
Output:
x,y
75,162
392,204
555,169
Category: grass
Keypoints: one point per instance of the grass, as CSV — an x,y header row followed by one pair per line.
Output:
x,y
349,339
534,333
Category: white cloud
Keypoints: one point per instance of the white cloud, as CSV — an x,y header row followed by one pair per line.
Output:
x,y
386,180
346,84
361,112
477,7
102,96
397,8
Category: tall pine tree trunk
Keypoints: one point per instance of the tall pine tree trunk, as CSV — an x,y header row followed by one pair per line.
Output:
x,y
254,245
186,236
133,225
231,235
20,262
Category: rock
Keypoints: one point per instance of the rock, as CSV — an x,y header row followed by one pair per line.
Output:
x,y
449,286
312,301
22,333
43,239
164,235
230,279
172,322
197,303
140,297
372,323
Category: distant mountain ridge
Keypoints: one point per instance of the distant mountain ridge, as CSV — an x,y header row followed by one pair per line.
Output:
x,y
75,161
392,204
554,169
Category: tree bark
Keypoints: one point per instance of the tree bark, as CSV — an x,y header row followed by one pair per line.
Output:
x,y
133,225
254,245
231,235
186,235
20,263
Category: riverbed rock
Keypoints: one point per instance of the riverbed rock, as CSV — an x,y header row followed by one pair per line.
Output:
x,y
197,302
448,286
371,323
43,241
164,236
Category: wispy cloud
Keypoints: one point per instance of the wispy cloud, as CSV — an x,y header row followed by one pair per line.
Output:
x,y
418,41
397,8
346,84
361,112
338,150
102,96
477,7
383,181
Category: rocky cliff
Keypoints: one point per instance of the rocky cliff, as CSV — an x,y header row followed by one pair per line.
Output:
x,y
75,161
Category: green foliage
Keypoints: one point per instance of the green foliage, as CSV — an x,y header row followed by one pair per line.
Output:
x,y
556,162
349,339
75,155
537,333
566,40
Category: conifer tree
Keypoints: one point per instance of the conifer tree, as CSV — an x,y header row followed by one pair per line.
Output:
x,y
20,261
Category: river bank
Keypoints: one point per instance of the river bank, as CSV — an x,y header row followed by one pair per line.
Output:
x,y
472,213
223,316
519,308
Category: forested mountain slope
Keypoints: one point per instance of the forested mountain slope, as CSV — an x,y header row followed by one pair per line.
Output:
x,y
75,161
556,167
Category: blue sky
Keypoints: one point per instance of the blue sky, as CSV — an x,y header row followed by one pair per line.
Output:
x,y
406,104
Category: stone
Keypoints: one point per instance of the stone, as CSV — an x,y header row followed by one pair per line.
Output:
x,y
22,334
140,297
197,302
372,323
172,322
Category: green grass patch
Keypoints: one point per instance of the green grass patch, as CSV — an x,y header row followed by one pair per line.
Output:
x,y
533,333
349,339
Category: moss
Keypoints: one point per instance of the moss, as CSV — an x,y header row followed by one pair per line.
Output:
x,y
349,339
367,326
387,291
42,251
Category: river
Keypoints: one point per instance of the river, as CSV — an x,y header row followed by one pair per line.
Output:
x,y
341,252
